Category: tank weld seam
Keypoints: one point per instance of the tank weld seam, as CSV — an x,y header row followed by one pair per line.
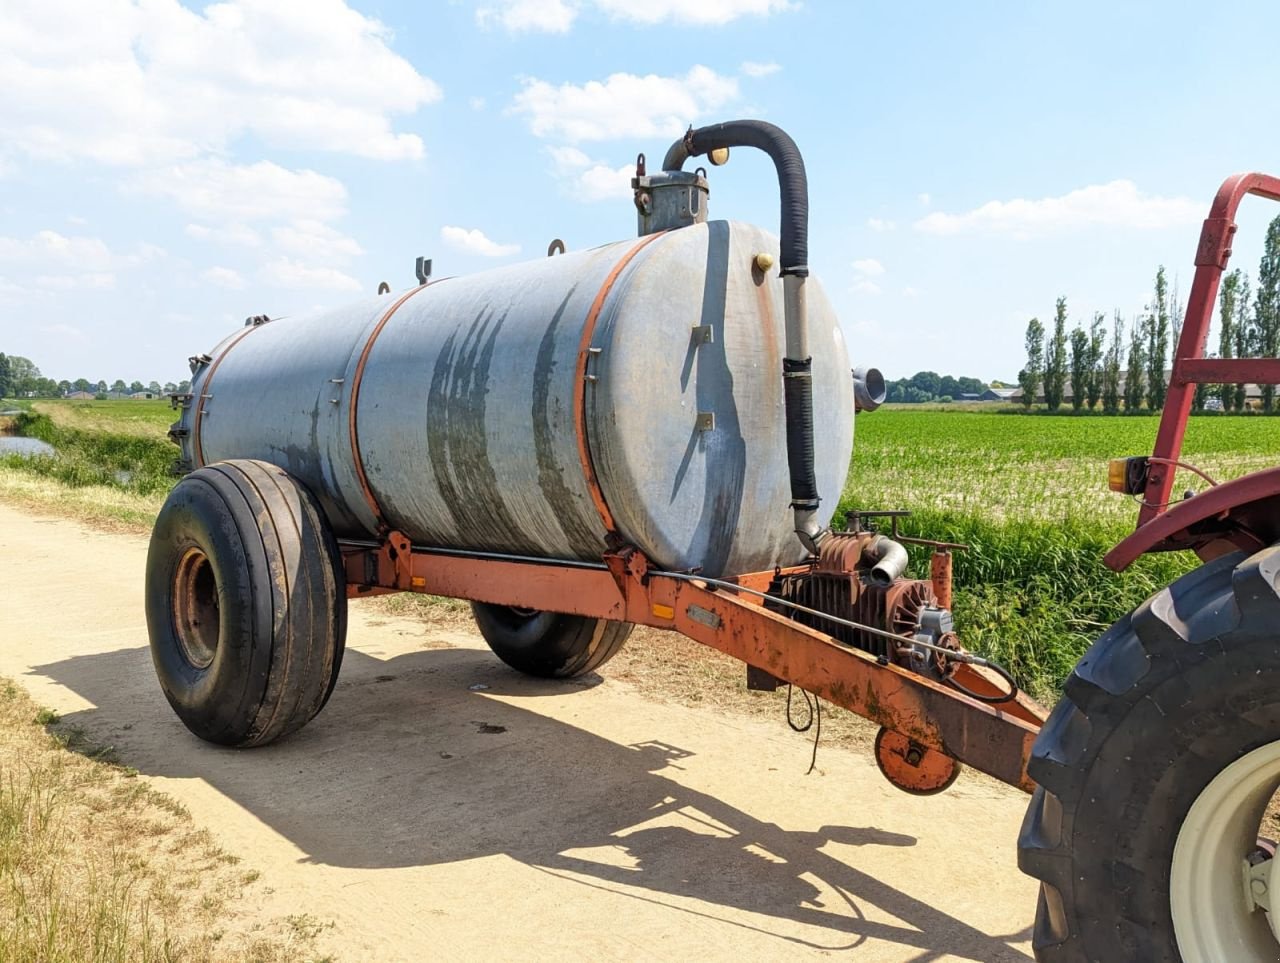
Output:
x,y
586,351
357,378
197,443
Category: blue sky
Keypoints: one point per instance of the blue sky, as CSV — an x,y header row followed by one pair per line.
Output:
x,y
166,170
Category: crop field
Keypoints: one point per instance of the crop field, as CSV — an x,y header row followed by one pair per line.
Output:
x,y
1028,494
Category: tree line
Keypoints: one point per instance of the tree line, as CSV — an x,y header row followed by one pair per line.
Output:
x,y
930,386
1124,366
20,378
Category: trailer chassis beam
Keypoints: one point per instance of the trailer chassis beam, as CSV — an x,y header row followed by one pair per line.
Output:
x,y
994,739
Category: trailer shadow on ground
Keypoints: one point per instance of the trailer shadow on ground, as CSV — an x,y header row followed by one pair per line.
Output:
x,y
441,755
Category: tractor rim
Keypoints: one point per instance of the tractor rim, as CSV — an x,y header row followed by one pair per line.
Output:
x,y
195,608
1216,916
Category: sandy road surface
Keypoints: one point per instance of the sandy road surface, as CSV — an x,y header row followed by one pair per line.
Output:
x,y
430,820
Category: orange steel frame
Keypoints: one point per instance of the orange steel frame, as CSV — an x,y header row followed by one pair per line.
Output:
x,y
995,739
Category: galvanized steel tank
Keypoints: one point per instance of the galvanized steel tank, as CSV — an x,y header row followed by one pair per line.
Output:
x,y
483,410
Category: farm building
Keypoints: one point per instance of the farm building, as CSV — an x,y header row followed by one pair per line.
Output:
x,y
1252,393
81,395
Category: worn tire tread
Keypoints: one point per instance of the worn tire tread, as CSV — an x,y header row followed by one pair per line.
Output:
x,y
1143,660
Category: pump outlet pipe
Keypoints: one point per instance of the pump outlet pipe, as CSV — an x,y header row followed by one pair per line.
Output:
x,y
797,363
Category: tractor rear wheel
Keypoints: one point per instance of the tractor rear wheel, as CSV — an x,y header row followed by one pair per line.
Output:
x,y
1154,773
246,603
549,645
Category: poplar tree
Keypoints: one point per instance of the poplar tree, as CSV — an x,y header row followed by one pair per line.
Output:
x,y
1244,333
1055,359
1267,308
1029,377
1133,387
1158,343
1080,369
1111,369
1097,352
1177,315
1228,303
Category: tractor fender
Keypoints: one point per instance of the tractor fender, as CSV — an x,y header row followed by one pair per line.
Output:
x,y
1241,513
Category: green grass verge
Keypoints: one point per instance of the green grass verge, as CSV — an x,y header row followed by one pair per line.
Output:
x,y
83,457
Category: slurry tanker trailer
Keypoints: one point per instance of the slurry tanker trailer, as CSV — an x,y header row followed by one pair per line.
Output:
x,y
655,432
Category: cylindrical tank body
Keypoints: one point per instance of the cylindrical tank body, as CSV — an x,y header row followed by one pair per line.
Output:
x,y
515,410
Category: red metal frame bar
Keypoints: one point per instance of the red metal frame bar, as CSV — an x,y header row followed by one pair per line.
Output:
x,y
995,739
1230,516
1190,367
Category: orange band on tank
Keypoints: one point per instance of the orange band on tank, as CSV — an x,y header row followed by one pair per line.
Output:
x,y
196,446
580,378
355,398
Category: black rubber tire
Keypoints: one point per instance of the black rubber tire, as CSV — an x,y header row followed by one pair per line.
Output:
x,y
1166,699
547,644
242,546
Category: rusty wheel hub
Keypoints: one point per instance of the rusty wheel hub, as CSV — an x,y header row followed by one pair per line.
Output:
x,y
195,608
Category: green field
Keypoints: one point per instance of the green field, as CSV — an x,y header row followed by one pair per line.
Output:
x,y
1027,493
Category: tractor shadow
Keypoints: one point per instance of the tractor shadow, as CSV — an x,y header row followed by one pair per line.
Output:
x,y
440,756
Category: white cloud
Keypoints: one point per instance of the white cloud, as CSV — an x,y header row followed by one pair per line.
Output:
x,y
924,199
236,234
92,280
546,16
754,69
558,16
1118,204
218,191
600,182
476,103
311,238
224,277
140,83
880,224
910,292
864,269
475,241
591,180
293,209
58,263
290,273
49,251
623,105
702,12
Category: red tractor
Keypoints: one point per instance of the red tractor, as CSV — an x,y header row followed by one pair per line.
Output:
x,y
1156,768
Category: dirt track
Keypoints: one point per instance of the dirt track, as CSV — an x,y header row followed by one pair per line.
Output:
x,y
429,818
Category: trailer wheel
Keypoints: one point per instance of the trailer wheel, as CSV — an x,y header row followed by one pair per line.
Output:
x,y
246,603
549,645
1154,771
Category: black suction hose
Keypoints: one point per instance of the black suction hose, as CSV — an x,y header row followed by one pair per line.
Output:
x,y
797,364
792,183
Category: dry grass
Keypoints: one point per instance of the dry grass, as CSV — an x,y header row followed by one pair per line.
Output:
x,y
100,506
96,865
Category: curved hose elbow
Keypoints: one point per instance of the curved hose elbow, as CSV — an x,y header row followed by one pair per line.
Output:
x,y
868,389
890,560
